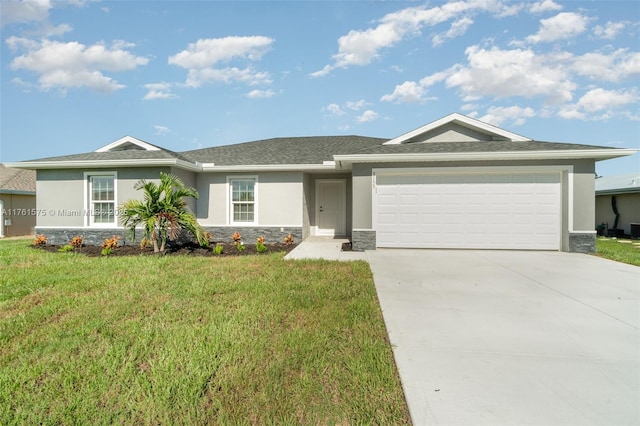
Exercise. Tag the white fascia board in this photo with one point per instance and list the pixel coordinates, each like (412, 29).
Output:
(211, 167)
(128, 139)
(597, 154)
(84, 164)
(462, 120)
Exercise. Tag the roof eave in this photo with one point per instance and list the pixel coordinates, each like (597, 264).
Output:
(100, 164)
(327, 166)
(16, 192)
(597, 154)
(634, 190)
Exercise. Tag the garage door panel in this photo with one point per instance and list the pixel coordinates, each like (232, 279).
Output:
(499, 211)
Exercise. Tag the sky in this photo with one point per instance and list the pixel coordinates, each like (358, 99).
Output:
(77, 75)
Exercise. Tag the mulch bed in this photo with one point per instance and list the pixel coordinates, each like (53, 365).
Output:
(190, 249)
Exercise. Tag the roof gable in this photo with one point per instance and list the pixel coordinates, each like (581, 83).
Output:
(128, 143)
(456, 128)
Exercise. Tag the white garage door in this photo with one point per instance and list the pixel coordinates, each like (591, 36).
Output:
(485, 211)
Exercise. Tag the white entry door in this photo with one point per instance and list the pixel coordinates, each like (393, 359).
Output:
(330, 206)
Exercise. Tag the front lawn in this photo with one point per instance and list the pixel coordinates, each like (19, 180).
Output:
(627, 251)
(191, 340)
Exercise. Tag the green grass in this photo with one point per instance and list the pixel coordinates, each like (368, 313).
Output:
(188, 340)
(625, 251)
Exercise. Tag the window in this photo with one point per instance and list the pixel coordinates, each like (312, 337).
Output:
(243, 200)
(102, 199)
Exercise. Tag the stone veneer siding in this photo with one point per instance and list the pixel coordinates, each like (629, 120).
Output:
(362, 240)
(249, 235)
(582, 242)
(91, 237)
(95, 237)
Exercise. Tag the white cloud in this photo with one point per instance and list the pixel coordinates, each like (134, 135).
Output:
(615, 66)
(515, 115)
(259, 94)
(458, 28)
(207, 52)
(36, 14)
(161, 130)
(600, 104)
(368, 115)
(72, 64)
(361, 47)
(334, 109)
(24, 11)
(357, 105)
(409, 92)
(610, 30)
(506, 73)
(200, 58)
(562, 26)
(159, 91)
(198, 77)
(544, 6)
(601, 99)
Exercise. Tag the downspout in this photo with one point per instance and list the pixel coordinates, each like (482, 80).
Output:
(614, 206)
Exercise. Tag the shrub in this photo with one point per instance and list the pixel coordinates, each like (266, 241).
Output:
(40, 240)
(218, 249)
(288, 240)
(260, 246)
(111, 243)
(76, 242)
(237, 238)
(240, 246)
(66, 248)
(145, 243)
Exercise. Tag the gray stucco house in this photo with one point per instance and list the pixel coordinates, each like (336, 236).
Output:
(454, 183)
(618, 203)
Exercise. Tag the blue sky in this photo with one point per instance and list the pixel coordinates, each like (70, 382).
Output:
(77, 75)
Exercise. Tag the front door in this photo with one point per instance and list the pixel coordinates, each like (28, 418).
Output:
(330, 206)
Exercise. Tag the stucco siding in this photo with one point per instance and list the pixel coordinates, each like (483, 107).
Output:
(61, 193)
(280, 198)
(628, 206)
(19, 216)
(583, 196)
(189, 179)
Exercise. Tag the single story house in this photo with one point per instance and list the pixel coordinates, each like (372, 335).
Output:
(618, 203)
(17, 201)
(456, 182)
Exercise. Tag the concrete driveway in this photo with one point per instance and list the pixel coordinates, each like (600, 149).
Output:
(512, 337)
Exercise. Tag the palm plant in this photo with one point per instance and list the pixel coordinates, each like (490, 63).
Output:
(163, 212)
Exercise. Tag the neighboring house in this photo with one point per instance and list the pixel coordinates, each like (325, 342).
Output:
(618, 203)
(17, 201)
(454, 183)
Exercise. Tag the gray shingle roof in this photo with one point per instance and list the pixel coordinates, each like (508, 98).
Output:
(313, 150)
(299, 150)
(17, 180)
(130, 154)
(480, 146)
(619, 184)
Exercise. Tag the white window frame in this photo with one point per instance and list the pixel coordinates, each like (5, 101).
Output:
(230, 204)
(88, 202)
